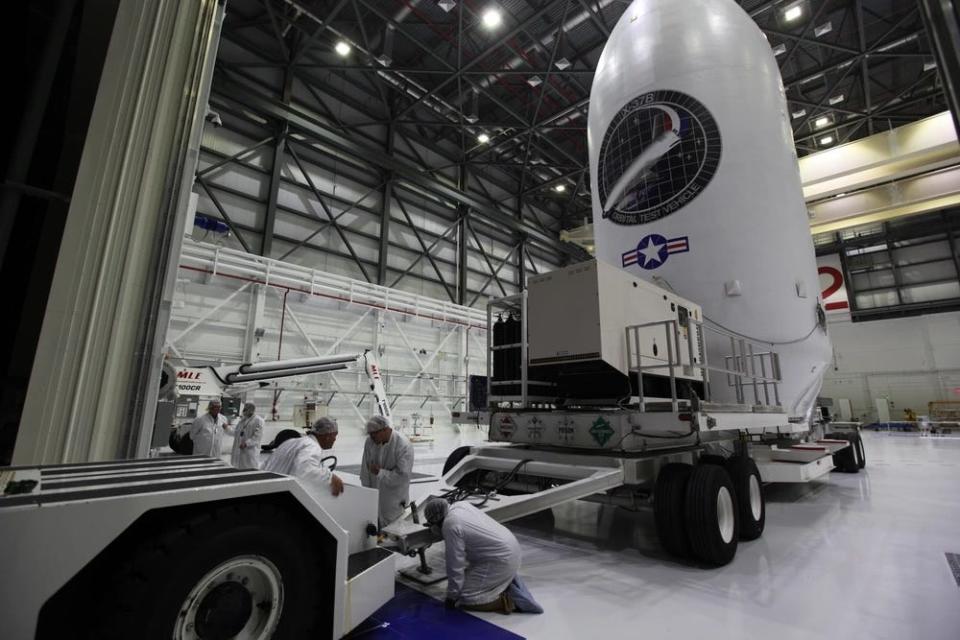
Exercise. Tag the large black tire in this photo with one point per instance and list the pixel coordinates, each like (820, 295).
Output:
(711, 458)
(845, 460)
(668, 508)
(454, 458)
(862, 455)
(712, 530)
(182, 444)
(752, 508)
(146, 591)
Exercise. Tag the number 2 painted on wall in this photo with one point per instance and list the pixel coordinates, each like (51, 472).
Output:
(834, 286)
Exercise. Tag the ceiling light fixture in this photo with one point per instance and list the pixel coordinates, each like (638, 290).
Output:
(562, 64)
(780, 49)
(837, 99)
(560, 188)
(342, 48)
(483, 138)
(821, 122)
(492, 18)
(799, 113)
(447, 5)
(826, 140)
(793, 13)
(823, 29)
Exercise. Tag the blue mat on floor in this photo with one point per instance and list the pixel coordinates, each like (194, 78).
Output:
(412, 615)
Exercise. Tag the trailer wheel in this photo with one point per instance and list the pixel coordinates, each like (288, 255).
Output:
(241, 571)
(752, 509)
(845, 460)
(862, 462)
(454, 458)
(669, 495)
(711, 515)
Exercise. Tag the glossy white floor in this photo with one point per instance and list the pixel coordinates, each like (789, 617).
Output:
(855, 556)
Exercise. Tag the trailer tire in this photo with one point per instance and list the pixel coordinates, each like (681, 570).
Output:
(752, 508)
(845, 460)
(711, 515)
(668, 508)
(171, 579)
(711, 458)
(454, 458)
(862, 462)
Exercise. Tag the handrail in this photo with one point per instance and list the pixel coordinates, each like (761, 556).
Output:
(740, 367)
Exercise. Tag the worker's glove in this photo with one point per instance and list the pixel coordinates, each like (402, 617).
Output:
(450, 603)
(336, 485)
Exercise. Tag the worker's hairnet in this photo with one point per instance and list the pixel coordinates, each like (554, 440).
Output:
(324, 426)
(377, 423)
(435, 510)
(249, 406)
(214, 402)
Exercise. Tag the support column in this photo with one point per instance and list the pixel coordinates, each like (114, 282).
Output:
(283, 129)
(943, 31)
(463, 234)
(251, 339)
(385, 206)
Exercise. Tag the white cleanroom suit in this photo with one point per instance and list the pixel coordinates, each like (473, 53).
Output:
(247, 432)
(482, 556)
(301, 458)
(395, 459)
(207, 434)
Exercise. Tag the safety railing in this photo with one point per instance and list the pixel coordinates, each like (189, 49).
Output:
(740, 366)
(229, 263)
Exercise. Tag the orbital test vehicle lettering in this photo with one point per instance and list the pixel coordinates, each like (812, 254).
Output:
(695, 183)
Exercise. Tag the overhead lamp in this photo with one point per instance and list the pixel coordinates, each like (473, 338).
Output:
(793, 13)
(535, 81)
(483, 138)
(826, 141)
(560, 188)
(780, 49)
(799, 113)
(492, 18)
(823, 29)
(929, 64)
(837, 99)
(821, 122)
(447, 5)
(562, 64)
(342, 48)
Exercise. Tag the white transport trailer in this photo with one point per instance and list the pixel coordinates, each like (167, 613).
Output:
(601, 390)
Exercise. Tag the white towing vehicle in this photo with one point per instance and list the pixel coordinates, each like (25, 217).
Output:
(189, 547)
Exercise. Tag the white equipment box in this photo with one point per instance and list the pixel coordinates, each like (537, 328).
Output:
(580, 314)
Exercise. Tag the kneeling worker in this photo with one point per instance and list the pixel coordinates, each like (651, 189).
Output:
(387, 465)
(482, 558)
(301, 457)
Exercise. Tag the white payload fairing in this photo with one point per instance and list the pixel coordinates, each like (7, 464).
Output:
(695, 181)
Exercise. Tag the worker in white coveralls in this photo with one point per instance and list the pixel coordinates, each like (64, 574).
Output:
(206, 432)
(302, 458)
(246, 439)
(387, 465)
(482, 558)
